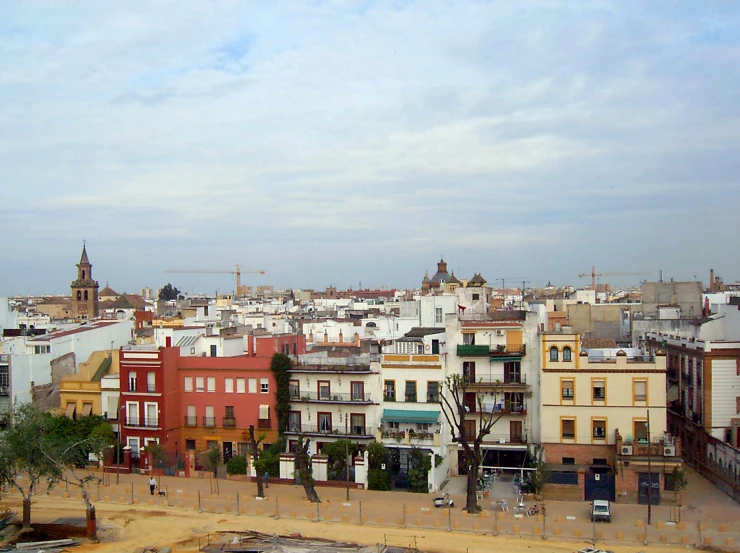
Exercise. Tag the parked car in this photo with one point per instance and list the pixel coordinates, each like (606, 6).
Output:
(601, 510)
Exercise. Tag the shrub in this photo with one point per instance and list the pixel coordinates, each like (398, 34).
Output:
(237, 465)
(377, 479)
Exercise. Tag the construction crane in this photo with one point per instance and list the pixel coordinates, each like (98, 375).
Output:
(239, 269)
(593, 274)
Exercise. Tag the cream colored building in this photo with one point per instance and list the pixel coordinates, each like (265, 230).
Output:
(585, 401)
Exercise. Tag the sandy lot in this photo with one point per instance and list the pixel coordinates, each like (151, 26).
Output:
(125, 528)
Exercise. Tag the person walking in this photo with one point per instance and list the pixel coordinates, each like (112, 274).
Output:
(267, 479)
(152, 484)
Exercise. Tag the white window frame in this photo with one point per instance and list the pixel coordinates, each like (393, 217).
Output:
(228, 385)
(241, 386)
(252, 385)
(211, 384)
(264, 385)
(200, 384)
(188, 383)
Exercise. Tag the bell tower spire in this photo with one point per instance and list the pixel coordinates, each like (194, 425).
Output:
(84, 289)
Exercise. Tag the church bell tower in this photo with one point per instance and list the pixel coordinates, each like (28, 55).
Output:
(84, 290)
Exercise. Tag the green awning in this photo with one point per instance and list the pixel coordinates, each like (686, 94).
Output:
(401, 415)
(496, 358)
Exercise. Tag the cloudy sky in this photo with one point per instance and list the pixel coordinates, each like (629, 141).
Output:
(342, 142)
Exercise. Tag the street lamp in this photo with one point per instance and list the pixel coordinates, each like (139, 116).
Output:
(118, 445)
(346, 450)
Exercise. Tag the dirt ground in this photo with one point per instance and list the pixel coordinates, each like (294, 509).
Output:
(154, 521)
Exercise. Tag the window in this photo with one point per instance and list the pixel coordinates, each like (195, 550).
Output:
(469, 338)
(188, 383)
(243, 448)
(210, 444)
(513, 372)
(476, 297)
(566, 389)
(324, 422)
(211, 381)
(568, 429)
(210, 418)
(569, 460)
(150, 382)
(432, 392)
(566, 354)
(200, 384)
(191, 419)
(514, 402)
(394, 425)
(358, 391)
(640, 431)
(132, 413)
(252, 385)
(469, 371)
(599, 390)
(422, 426)
(599, 461)
(240, 389)
(389, 390)
(294, 389)
(553, 353)
(640, 390)
(229, 411)
(411, 391)
(190, 444)
(228, 385)
(294, 421)
(599, 429)
(324, 390)
(357, 424)
(438, 315)
(132, 382)
(214, 350)
(264, 386)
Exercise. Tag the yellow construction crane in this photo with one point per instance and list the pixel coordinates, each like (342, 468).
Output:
(593, 274)
(239, 269)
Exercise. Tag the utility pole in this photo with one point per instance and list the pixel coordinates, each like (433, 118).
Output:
(346, 450)
(650, 473)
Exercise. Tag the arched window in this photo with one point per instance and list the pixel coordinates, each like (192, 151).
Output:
(79, 295)
(566, 353)
(83, 275)
(85, 295)
(553, 353)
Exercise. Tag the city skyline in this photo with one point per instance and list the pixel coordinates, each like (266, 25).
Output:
(347, 143)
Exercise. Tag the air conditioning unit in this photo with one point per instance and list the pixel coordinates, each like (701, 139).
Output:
(626, 450)
(669, 450)
(500, 333)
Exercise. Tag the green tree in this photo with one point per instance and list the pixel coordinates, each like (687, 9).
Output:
(22, 460)
(678, 483)
(451, 398)
(213, 460)
(159, 455)
(168, 292)
(337, 453)
(237, 465)
(281, 365)
(377, 454)
(69, 453)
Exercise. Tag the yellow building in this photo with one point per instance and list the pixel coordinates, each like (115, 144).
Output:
(80, 393)
(595, 411)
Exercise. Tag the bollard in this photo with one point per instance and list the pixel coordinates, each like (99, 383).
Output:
(707, 540)
(404, 515)
(723, 528)
(360, 503)
(728, 541)
(238, 510)
(685, 540)
(620, 536)
(663, 537)
(277, 508)
(200, 510)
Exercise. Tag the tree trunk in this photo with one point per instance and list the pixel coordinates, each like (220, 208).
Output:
(92, 524)
(305, 473)
(27, 512)
(255, 457)
(471, 501)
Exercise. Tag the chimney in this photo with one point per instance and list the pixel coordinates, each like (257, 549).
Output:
(711, 280)
(341, 337)
(326, 336)
(707, 312)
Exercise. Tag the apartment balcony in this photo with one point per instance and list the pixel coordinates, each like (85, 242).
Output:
(467, 350)
(335, 431)
(209, 422)
(513, 409)
(137, 422)
(229, 422)
(314, 397)
(264, 424)
(501, 439)
(393, 436)
(511, 381)
(191, 421)
(4, 390)
(686, 378)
